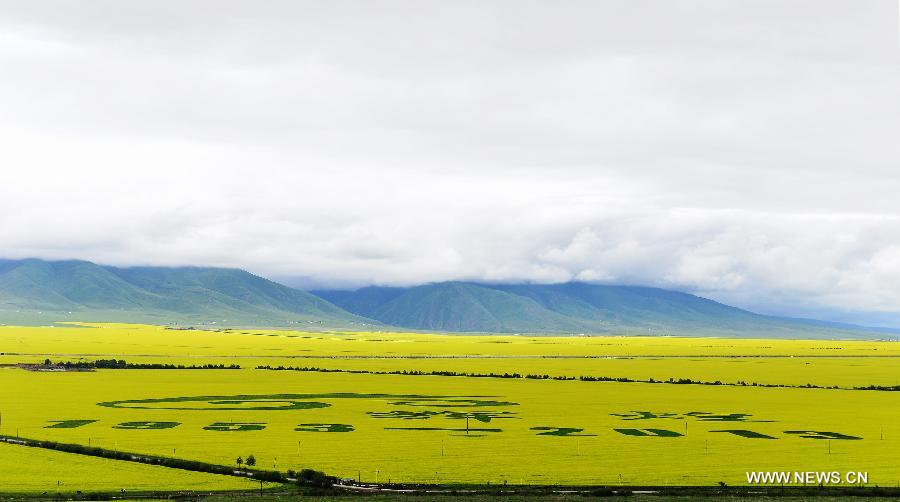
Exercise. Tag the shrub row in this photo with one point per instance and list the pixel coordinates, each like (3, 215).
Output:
(121, 364)
(888, 388)
(583, 378)
(305, 477)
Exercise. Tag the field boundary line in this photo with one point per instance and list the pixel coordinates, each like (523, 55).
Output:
(154, 460)
(581, 378)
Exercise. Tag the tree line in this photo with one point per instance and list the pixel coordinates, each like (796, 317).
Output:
(583, 378)
(305, 477)
(121, 364)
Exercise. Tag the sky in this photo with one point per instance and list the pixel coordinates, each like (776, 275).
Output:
(744, 150)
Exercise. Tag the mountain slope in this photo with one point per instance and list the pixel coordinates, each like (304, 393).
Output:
(455, 306)
(570, 308)
(46, 291)
(635, 306)
(190, 294)
(215, 289)
(66, 285)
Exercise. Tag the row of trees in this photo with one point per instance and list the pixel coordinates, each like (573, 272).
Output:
(583, 378)
(251, 461)
(121, 364)
(305, 477)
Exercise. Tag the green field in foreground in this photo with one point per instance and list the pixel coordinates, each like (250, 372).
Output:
(34, 470)
(448, 429)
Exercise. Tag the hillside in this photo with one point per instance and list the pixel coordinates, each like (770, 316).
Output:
(571, 308)
(39, 291)
(454, 306)
(86, 291)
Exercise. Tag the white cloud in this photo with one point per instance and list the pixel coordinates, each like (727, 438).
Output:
(742, 149)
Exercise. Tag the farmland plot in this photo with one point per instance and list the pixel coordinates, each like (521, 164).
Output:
(433, 428)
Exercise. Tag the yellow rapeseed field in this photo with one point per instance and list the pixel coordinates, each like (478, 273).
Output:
(428, 428)
(34, 470)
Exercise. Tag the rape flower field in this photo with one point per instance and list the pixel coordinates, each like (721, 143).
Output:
(531, 410)
(32, 470)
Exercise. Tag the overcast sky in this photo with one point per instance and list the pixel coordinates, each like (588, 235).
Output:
(744, 150)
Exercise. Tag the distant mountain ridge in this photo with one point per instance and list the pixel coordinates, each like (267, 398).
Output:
(147, 294)
(572, 307)
(46, 291)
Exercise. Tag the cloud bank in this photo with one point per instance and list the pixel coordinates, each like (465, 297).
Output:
(745, 150)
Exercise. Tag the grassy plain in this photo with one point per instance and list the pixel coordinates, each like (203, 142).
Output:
(413, 428)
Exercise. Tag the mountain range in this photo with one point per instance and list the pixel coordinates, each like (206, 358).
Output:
(86, 291)
(573, 307)
(36, 290)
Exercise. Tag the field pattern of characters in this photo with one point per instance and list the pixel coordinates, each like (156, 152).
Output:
(432, 428)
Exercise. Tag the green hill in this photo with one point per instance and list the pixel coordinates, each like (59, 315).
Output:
(573, 308)
(458, 306)
(38, 291)
(85, 291)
